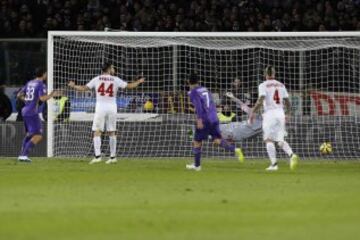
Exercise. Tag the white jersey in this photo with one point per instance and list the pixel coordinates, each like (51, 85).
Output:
(106, 87)
(274, 93)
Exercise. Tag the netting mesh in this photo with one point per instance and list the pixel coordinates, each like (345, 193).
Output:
(321, 74)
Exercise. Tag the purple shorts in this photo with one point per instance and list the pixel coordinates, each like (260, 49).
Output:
(33, 124)
(212, 129)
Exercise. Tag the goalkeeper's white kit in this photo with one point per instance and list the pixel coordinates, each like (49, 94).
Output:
(239, 131)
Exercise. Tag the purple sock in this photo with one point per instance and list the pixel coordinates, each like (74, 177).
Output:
(28, 146)
(197, 157)
(227, 146)
(25, 141)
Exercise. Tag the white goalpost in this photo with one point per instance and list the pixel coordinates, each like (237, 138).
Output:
(321, 71)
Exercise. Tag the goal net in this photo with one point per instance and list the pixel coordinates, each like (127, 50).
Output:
(320, 71)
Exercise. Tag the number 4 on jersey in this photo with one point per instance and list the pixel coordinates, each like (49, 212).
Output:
(276, 97)
(109, 91)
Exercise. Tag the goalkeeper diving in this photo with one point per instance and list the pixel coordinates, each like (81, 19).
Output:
(239, 131)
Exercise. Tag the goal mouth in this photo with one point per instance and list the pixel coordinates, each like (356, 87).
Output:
(320, 70)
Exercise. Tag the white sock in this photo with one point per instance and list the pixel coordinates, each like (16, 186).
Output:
(97, 146)
(112, 143)
(271, 150)
(286, 147)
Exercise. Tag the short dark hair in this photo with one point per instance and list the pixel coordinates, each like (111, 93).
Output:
(269, 70)
(105, 67)
(39, 72)
(193, 78)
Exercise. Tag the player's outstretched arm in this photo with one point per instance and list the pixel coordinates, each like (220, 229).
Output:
(78, 87)
(242, 105)
(256, 108)
(287, 106)
(21, 96)
(44, 98)
(258, 104)
(135, 84)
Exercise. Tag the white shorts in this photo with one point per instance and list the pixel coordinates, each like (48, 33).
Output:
(104, 121)
(274, 126)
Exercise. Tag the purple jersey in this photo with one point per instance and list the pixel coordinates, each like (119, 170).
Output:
(33, 90)
(203, 102)
(33, 124)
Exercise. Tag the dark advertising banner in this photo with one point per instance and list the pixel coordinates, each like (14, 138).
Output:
(126, 102)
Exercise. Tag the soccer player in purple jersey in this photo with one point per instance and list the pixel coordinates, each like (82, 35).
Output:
(207, 123)
(33, 92)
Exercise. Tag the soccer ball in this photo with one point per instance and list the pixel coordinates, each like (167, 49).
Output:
(326, 148)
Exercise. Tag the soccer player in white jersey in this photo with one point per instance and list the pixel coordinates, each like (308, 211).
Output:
(106, 86)
(273, 96)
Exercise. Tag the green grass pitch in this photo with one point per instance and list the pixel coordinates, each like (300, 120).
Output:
(159, 199)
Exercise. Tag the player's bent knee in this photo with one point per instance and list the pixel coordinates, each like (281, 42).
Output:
(197, 144)
(36, 138)
(217, 141)
(97, 133)
(281, 144)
